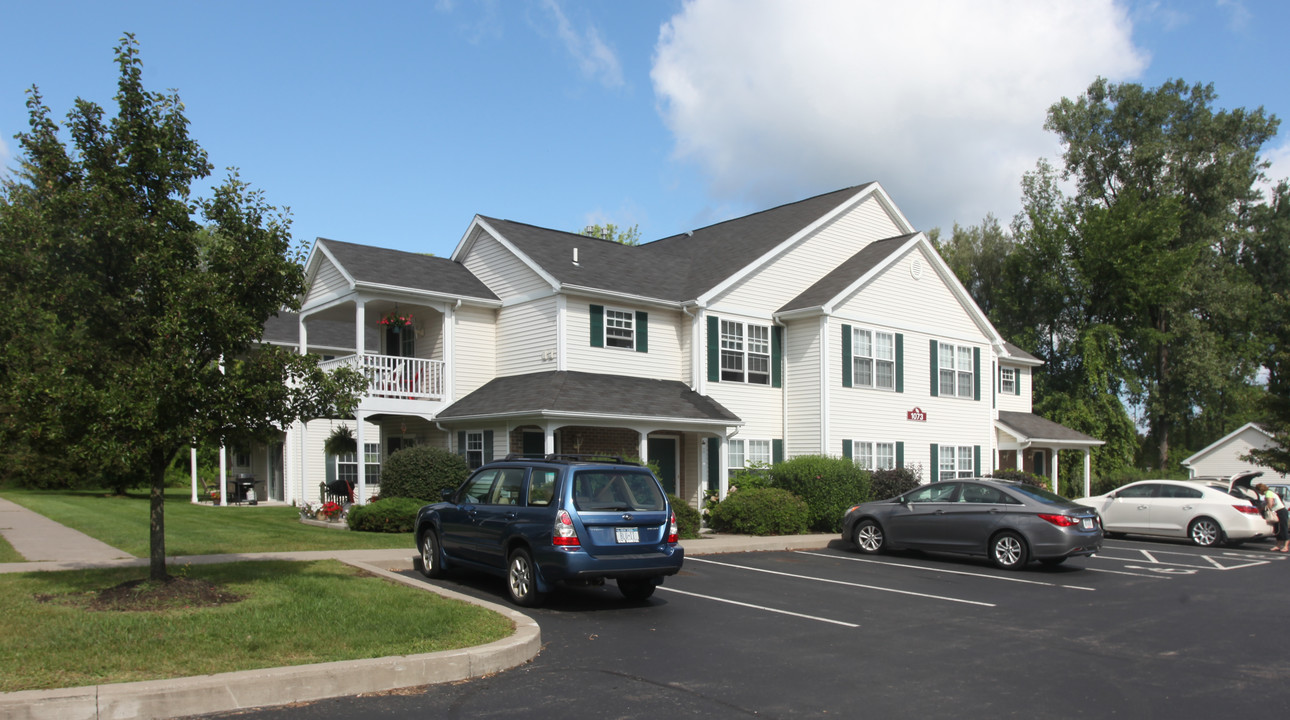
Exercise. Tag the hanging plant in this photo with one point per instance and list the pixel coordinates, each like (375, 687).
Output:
(341, 441)
(395, 319)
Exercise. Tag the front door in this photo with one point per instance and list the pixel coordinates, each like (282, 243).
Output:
(274, 483)
(662, 452)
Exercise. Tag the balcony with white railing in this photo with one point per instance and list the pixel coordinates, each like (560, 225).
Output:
(400, 378)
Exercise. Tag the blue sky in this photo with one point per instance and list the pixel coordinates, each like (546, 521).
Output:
(394, 123)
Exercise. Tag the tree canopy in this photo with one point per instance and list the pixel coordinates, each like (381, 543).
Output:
(130, 329)
(614, 233)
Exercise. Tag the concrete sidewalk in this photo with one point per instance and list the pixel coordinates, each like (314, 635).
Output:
(61, 548)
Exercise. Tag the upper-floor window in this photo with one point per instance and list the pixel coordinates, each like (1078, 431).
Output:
(620, 328)
(745, 352)
(874, 455)
(873, 357)
(955, 365)
(1007, 381)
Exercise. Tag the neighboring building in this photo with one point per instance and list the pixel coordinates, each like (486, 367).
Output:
(1223, 457)
(826, 326)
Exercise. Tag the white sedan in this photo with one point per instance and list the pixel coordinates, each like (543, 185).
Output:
(1205, 513)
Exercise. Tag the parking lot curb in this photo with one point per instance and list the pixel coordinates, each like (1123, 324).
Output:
(264, 687)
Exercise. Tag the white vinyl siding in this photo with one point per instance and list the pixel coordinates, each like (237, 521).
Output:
(328, 281)
(501, 271)
(527, 337)
(475, 347)
(663, 361)
(802, 345)
(1020, 401)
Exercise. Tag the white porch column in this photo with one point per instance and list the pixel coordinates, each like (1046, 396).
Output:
(360, 435)
(304, 336)
(192, 465)
(360, 335)
(302, 469)
(643, 450)
(223, 475)
(1088, 471)
(548, 439)
(1053, 469)
(723, 467)
(450, 352)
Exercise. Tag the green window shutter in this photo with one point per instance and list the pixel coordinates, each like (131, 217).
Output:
(642, 331)
(935, 372)
(776, 451)
(900, 454)
(846, 449)
(776, 357)
(936, 462)
(714, 463)
(846, 356)
(461, 443)
(900, 362)
(598, 326)
(976, 373)
(488, 446)
(714, 349)
(976, 460)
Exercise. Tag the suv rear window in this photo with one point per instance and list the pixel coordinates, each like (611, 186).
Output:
(616, 490)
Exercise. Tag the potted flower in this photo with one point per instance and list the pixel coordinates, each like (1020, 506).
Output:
(396, 320)
(330, 511)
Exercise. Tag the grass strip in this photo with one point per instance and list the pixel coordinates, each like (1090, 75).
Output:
(194, 529)
(8, 554)
(291, 614)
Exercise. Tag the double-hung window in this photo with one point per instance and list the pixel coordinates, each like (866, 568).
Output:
(745, 352)
(955, 365)
(956, 462)
(745, 454)
(874, 455)
(347, 465)
(873, 359)
(474, 449)
(1007, 381)
(620, 329)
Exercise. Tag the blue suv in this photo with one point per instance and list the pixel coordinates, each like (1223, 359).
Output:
(537, 522)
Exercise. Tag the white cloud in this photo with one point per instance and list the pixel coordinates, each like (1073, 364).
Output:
(943, 103)
(595, 58)
(5, 157)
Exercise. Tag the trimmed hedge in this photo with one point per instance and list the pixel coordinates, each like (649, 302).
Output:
(887, 484)
(761, 511)
(688, 519)
(829, 485)
(392, 515)
(423, 473)
(1020, 476)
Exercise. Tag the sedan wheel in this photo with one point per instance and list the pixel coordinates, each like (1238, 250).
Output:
(1205, 532)
(521, 579)
(431, 560)
(869, 538)
(1008, 551)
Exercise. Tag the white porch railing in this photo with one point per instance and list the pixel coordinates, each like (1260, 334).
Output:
(390, 376)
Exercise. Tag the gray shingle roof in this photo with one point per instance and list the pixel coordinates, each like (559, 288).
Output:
(407, 270)
(616, 396)
(1017, 353)
(677, 268)
(1031, 426)
(284, 329)
(831, 285)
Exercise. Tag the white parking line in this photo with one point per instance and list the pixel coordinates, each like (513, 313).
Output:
(946, 571)
(1118, 572)
(841, 582)
(1192, 561)
(758, 607)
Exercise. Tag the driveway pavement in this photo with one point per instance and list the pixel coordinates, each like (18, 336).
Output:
(52, 547)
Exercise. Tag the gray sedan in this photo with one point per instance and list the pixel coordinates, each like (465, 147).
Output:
(1008, 522)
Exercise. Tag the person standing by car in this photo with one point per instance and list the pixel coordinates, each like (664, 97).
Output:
(1273, 502)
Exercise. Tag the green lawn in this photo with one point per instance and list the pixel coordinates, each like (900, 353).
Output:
(204, 529)
(8, 554)
(292, 614)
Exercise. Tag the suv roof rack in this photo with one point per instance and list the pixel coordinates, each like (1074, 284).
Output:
(571, 458)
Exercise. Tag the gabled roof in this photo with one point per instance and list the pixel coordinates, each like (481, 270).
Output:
(568, 393)
(836, 283)
(1226, 439)
(1019, 356)
(1029, 427)
(679, 268)
(367, 265)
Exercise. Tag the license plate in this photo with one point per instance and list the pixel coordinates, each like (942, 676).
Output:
(627, 535)
(1087, 523)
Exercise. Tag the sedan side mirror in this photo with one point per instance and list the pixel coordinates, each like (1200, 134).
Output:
(446, 494)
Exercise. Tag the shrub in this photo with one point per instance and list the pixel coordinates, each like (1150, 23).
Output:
(1020, 476)
(752, 477)
(761, 511)
(392, 515)
(887, 484)
(688, 519)
(423, 473)
(828, 485)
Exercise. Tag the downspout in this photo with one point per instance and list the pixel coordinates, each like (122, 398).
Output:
(696, 377)
(783, 391)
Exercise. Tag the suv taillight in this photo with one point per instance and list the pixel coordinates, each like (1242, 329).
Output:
(672, 535)
(564, 532)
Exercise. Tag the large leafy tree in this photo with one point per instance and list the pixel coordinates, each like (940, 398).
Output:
(130, 328)
(1267, 259)
(1147, 245)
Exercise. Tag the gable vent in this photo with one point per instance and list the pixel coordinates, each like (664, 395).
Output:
(916, 268)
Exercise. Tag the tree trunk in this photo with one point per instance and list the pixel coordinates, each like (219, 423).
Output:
(1164, 401)
(157, 522)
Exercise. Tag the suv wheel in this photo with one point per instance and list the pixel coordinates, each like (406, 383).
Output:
(636, 590)
(431, 558)
(521, 579)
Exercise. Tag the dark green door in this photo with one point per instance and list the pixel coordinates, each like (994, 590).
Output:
(662, 452)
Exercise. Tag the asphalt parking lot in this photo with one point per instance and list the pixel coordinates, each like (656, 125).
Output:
(1144, 629)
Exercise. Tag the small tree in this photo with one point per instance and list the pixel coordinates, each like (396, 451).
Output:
(422, 473)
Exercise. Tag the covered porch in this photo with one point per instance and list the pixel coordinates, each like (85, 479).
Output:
(1028, 442)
